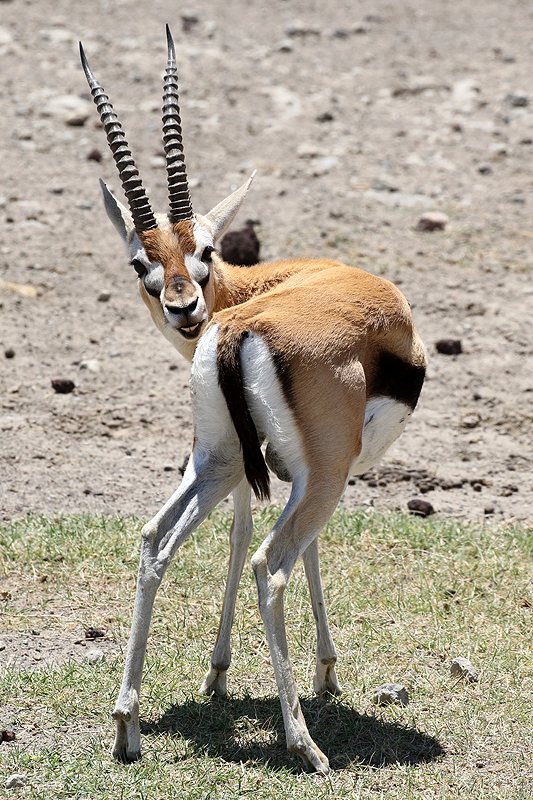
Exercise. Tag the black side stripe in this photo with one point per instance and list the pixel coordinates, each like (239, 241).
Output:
(397, 379)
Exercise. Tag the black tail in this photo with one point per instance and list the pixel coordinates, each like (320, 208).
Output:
(231, 382)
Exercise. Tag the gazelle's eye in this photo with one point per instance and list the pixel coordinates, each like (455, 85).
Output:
(206, 255)
(139, 267)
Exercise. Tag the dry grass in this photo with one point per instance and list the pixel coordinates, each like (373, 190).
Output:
(405, 596)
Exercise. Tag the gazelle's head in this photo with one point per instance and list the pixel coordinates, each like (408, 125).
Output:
(171, 253)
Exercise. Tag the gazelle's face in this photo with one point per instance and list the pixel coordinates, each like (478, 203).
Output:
(175, 268)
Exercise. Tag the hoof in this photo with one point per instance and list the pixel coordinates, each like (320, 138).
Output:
(215, 682)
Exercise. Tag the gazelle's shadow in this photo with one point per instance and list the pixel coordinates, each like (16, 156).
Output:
(249, 729)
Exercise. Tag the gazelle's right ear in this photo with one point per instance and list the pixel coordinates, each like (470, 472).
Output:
(117, 213)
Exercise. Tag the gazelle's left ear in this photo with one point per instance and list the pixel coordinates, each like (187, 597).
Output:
(117, 213)
(221, 216)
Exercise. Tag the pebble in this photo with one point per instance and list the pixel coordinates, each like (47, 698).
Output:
(63, 385)
(420, 507)
(94, 656)
(91, 364)
(462, 668)
(16, 781)
(432, 221)
(94, 155)
(449, 347)
(104, 296)
(517, 99)
(483, 168)
(70, 109)
(9, 352)
(299, 28)
(2, 645)
(391, 693)
(470, 420)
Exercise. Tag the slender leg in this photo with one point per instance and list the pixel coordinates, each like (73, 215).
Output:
(241, 534)
(306, 513)
(324, 679)
(209, 477)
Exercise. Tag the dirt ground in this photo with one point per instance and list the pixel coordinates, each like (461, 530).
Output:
(359, 118)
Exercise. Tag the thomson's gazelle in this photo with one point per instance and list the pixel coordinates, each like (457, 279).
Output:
(316, 359)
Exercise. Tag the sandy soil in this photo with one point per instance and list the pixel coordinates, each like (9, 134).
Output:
(358, 119)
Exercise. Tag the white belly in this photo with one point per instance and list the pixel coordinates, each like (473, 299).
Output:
(385, 419)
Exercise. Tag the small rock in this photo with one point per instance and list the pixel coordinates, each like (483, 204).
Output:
(449, 347)
(94, 633)
(489, 511)
(326, 116)
(7, 735)
(91, 364)
(241, 248)
(71, 109)
(301, 29)
(498, 151)
(420, 507)
(381, 185)
(390, 693)
(104, 296)
(94, 657)
(483, 168)
(188, 20)
(63, 385)
(16, 781)
(169, 468)
(9, 352)
(432, 221)
(284, 46)
(94, 155)
(471, 420)
(517, 99)
(2, 645)
(462, 668)
(321, 166)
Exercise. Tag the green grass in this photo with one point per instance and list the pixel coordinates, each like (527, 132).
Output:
(405, 596)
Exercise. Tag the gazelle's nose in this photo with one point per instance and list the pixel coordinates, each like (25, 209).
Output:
(187, 310)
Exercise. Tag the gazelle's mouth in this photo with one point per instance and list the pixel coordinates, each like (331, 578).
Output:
(192, 332)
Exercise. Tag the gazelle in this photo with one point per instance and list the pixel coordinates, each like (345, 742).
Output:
(319, 360)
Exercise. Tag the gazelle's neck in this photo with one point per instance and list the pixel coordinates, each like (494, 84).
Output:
(235, 285)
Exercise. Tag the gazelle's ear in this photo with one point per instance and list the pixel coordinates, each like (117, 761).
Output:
(221, 216)
(117, 213)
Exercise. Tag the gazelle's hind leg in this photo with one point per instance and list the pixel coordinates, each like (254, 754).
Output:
(240, 536)
(306, 513)
(324, 679)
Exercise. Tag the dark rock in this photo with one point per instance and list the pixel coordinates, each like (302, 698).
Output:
(63, 385)
(94, 633)
(420, 507)
(94, 155)
(241, 248)
(483, 168)
(449, 347)
(9, 352)
(432, 221)
(7, 736)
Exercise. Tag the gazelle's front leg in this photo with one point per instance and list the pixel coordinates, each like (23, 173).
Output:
(207, 480)
(240, 536)
(324, 679)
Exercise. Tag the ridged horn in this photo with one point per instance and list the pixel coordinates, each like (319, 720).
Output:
(178, 187)
(141, 211)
